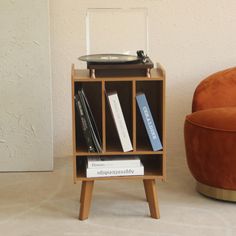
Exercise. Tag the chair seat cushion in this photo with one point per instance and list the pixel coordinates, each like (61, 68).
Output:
(221, 119)
(210, 140)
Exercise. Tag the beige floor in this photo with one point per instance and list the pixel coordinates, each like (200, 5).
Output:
(33, 204)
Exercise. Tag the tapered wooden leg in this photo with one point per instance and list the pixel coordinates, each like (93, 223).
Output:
(86, 196)
(82, 191)
(151, 192)
(145, 189)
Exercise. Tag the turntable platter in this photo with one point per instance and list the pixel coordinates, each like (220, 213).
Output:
(109, 58)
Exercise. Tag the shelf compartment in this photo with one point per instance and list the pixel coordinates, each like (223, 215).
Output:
(152, 169)
(153, 91)
(124, 91)
(93, 92)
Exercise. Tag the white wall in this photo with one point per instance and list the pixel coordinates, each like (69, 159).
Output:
(190, 38)
(25, 86)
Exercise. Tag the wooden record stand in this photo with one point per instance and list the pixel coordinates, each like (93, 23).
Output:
(127, 87)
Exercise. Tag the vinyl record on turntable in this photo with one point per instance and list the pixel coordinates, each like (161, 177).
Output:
(109, 58)
(113, 65)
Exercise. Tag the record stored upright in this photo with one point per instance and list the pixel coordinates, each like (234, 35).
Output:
(127, 88)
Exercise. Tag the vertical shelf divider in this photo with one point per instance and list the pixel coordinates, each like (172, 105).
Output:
(103, 117)
(73, 121)
(164, 123)
(134, 112)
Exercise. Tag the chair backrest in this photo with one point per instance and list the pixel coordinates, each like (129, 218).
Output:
(217, 90)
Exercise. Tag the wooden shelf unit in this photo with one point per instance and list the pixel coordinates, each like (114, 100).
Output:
(127, 88)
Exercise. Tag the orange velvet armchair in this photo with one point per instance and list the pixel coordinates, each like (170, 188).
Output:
(210, 136)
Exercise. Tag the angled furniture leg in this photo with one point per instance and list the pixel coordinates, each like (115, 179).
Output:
(151, 192)
(145, 189)
(82, 191)
(86, 196)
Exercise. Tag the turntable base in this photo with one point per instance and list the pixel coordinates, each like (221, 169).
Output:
(121, 69)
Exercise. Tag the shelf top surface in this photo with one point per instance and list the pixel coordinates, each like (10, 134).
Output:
(83, 75)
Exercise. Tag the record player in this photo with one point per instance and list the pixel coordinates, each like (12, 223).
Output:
(113, 65)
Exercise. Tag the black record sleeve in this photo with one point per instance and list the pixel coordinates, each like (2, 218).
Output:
(91, 121)
(84, 124)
